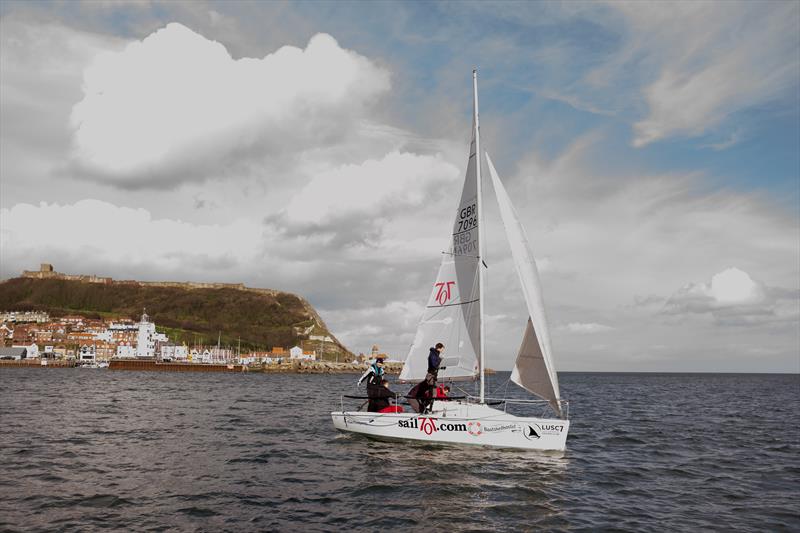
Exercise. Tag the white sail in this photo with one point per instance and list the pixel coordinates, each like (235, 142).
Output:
(452, 315)
(534, 369)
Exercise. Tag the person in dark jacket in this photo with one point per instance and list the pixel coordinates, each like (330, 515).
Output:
(374, 373)
(375, 379)
(380, 397)
(420, 397)
(435, 359)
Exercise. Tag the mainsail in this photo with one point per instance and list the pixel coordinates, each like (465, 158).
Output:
(534, 369)
(452, 315)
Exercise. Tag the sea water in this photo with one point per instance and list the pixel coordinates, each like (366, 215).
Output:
(86, 450)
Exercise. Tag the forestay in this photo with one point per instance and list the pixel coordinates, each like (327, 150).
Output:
(534, 369)
(452, 314)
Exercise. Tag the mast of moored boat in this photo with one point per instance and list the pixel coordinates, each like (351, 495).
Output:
(480, 220)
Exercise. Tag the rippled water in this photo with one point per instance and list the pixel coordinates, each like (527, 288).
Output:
(97, 449)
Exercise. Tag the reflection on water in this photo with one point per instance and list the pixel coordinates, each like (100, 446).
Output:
(136, 451)
(462, 485)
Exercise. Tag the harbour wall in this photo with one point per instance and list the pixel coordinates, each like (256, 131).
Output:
(36, 363)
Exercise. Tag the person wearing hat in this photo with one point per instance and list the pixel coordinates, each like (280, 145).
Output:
(374, 373)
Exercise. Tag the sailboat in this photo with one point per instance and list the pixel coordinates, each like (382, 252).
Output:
(454, 316)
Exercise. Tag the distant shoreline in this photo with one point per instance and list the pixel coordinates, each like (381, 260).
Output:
(291, 367)
(152, 365)
(326, 367)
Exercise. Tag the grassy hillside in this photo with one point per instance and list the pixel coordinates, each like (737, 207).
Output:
(187, 315)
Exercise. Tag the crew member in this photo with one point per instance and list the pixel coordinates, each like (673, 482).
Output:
(435, 359)
(380, 398)
(374, 373)
(420, 397)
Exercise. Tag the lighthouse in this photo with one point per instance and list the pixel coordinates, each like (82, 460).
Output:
(146, 342)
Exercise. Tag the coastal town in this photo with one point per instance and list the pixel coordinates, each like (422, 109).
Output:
(35, 336)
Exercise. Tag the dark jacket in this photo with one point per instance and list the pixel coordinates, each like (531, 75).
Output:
(374, 386)
(434, 360)
(422, 390)
(379, 399)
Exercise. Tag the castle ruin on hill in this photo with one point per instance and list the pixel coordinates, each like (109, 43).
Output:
(46, 271)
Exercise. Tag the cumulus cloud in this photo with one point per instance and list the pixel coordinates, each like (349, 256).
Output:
(372, 188)
(40, 79)
(732, 297)
(374, 205)
(177, 106)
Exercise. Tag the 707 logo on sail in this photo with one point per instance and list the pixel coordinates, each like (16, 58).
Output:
(443, 295)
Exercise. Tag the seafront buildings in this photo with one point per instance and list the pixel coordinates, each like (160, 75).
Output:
(25, 335)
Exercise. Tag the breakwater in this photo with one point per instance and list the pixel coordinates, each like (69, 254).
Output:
(291, 367)
(37, 363)
(151, 365)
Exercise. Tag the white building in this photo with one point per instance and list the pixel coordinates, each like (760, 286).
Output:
(182, 352)
(87, 354)
(32, 349)
(25, 316)
(296, 353)
(105, 336)
(122, 326)
(196, 356)
(126, 350)
(171, 352)
(147, 338)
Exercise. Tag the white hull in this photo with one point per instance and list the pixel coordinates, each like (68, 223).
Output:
(457, 422)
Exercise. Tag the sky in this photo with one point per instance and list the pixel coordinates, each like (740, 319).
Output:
(651, 151)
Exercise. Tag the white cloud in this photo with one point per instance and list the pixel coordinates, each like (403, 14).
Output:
(176, 106)
(391, 326)
(732, 286)
(734, 298)
(732, 139)
(624, 244)
(712, 60)
(372, 189)
(585, 327)
(40, 79)
(92, 233)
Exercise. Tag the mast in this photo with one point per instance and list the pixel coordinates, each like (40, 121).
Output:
(480, 222)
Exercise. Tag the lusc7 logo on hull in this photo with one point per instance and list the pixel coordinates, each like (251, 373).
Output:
(536, 431)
